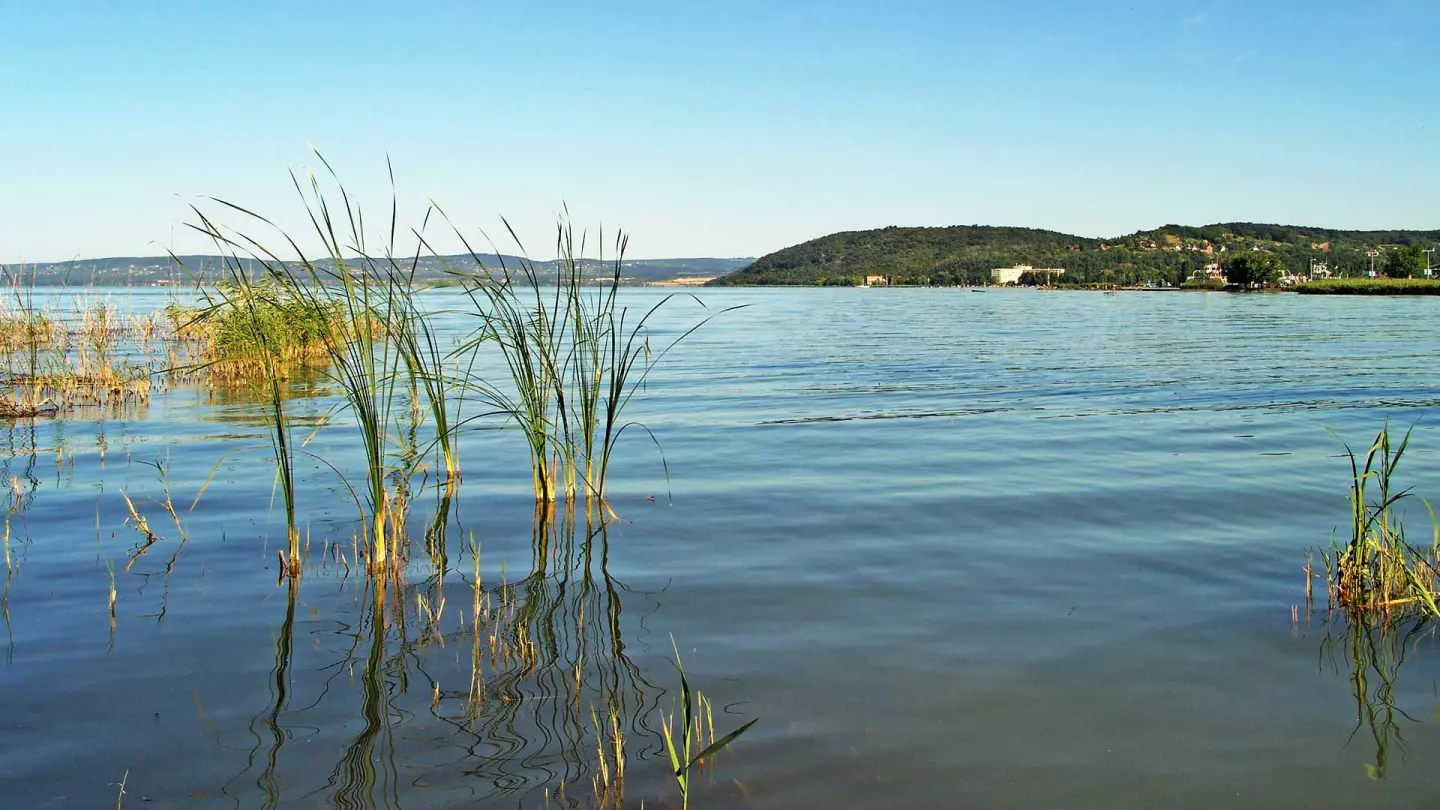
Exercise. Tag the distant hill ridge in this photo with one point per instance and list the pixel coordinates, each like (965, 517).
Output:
(144, 270)
(965, 254)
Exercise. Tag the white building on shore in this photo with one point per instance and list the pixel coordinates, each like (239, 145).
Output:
(1011, 275)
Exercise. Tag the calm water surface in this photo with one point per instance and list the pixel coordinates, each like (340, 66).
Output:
(955, 549)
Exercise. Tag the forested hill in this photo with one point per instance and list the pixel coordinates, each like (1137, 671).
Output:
(965, 254)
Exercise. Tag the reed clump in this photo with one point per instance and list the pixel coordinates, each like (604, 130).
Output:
(575, 353)
(1207, 283)
(1370, 286)
(54, 360)
(1379, 570)
(23, 329)
(250, 329)
(576, 356)
(355, 301)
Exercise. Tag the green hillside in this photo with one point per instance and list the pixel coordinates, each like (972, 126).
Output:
(965, 254)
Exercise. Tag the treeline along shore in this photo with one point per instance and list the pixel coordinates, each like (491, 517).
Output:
(1171, 255)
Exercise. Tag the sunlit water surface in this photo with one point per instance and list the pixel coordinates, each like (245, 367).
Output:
(954, 549)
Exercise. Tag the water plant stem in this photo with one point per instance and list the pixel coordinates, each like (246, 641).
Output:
(681, 760)
(1378, 570)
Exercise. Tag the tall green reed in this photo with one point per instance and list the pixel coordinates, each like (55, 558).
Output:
(376, 341)
(259, 325)
(575, 353)
(1378, 569)
(682, 737)
(424, 363)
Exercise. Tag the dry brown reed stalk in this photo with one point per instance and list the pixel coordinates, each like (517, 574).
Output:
(53, 360)
(23, 329)
(500, 642)
(480, 598)
(110, 567)
(142, 526)
(609, 780)
(429, 611)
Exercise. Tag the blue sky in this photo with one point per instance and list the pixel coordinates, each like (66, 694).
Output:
(717, 129)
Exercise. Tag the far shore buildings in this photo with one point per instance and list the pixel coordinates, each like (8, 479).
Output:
(1011, 275)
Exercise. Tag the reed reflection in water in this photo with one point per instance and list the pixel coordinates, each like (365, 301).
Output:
(505, 689)
(1373, 649)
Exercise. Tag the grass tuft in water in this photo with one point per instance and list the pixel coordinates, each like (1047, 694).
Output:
(54, 360)
(690, 732)
(361, 303)
(1379, 570)
(576, 356)
(1370, 286)
(608, 784)
(252, 329)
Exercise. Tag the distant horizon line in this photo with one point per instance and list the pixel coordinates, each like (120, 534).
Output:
(168, 257)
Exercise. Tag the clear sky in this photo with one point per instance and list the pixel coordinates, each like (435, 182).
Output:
(718, 128)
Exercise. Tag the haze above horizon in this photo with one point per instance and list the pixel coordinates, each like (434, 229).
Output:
(733, 129)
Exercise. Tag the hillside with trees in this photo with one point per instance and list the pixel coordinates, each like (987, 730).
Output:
(965, 254)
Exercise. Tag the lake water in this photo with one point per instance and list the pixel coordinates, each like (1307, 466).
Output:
(988, 549)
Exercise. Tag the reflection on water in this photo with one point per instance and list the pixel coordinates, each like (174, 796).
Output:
(301, 382)
(554, 653)
(385, 687)
(1374, 649)
(17, 476)
(497, 690)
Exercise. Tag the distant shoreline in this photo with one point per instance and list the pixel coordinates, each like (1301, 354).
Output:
(1345, 286)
